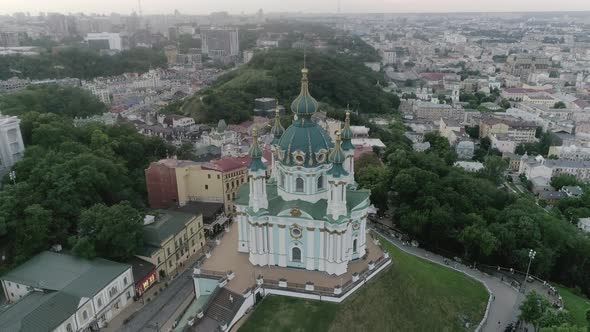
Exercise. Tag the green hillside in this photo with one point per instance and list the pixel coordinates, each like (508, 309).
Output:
(411, 295)
(335, 80)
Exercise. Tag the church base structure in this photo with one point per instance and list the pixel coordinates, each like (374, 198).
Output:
(229, 272)
(335, 268)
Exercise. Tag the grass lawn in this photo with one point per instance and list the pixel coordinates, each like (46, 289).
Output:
(575, 304)
(411, 295)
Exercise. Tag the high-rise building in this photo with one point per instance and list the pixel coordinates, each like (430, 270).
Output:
(104, 41)
(220, 42)
(11, 143)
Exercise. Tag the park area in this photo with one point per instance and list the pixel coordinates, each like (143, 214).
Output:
(577, 305)
(411, 295)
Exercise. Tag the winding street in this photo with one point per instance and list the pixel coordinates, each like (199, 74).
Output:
(506, 300)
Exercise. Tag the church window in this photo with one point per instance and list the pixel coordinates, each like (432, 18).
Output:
(299, 157)
(69, 328)
(85, 315)
(299, 185)
(282, 183)
(321, 182)
(296, 254)
(354, 246)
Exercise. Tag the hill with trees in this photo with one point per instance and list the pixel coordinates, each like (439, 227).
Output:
(51, 98)
(80, 63)
(334, 80)
(465, 214)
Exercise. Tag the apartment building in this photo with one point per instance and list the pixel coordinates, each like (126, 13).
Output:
(170, 239)
(518, 130)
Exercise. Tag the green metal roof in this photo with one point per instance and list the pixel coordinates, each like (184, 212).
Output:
(38, 312)
(66, 279)
(277, 129)
(308, 138)
(354, 200)
(255, 153)
(59, 271)
(304, 104)
(167, 224)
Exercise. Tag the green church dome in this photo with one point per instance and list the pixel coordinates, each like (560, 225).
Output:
(304, 104)
(337, 158)
(304, 144)
(255, 153)
(347, 134)
(277, 129)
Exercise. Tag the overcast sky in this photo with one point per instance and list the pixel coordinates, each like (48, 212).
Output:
(250, 6)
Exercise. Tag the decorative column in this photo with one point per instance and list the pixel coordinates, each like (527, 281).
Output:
(282, 246)
(271, 253)
(310, 262)
(322, 258)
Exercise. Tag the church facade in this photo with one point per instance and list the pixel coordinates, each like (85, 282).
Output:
(309, 214)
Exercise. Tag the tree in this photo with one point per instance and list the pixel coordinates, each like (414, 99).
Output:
(532, 308)
(559, 104)
(113, 232)
(494, 168)
(366, 160)
(51, 98)
(477, 239)
(32, 232)
(563, 180)
(473, 132)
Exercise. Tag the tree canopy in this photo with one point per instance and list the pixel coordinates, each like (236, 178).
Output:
(66, 172)
(338, 81)
(51, 98)
(80, 63)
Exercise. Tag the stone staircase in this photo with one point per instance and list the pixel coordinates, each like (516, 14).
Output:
(224, 306)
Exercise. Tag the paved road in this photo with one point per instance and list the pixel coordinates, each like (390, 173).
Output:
(504, 307)
(155, 313)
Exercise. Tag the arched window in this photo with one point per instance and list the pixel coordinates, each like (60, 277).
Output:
(354, 246)
(69, 327)
(299, 185)
(321, 182)
(85, 315)
(282, 183)
(296, 255)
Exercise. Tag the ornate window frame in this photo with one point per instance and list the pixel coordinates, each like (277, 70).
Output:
(298, 157)
(321, 156)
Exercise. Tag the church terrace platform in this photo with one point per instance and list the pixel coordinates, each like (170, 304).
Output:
(225, 257)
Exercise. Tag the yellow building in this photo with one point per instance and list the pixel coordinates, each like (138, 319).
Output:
(520, 131)
(215, 181)
(170, 239)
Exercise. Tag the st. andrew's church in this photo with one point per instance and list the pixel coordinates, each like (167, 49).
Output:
(309, 214)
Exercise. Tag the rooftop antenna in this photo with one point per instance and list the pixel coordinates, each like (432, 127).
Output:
(139, 8)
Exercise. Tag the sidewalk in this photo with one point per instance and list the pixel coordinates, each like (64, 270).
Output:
(144, 314)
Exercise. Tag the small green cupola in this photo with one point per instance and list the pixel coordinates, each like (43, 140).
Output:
(277, 129)
(337, 158)
(255, 153)
(347, 134)
(304, 105)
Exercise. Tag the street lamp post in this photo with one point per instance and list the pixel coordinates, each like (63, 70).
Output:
(532, 254)
(12, 176)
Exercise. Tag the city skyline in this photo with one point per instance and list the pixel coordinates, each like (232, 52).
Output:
(305, 6)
